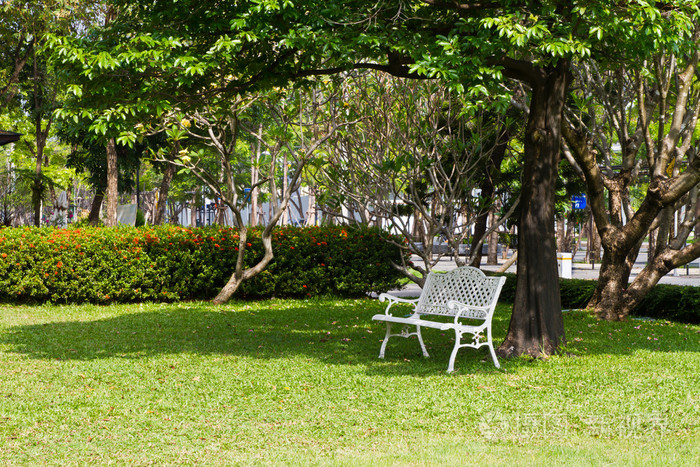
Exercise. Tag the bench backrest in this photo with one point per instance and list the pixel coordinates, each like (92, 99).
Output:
(465, 284)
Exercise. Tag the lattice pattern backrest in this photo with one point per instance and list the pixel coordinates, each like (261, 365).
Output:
(466, 284)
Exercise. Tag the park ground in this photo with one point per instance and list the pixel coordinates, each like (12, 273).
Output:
(293, 382)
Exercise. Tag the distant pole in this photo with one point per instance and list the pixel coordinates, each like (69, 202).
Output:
(138, 187)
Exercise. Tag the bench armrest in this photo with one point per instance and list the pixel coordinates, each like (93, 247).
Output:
(393, 300)
(469, 311)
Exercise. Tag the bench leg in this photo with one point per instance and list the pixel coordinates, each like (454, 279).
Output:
(405, 333)
(493, 355)
(386, 339)
(493, 352)
(422, 345)
(451, 364)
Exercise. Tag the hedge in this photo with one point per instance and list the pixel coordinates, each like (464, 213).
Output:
(671, 302)
(126, 264)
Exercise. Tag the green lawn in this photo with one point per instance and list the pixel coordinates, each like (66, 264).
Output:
(299, 382)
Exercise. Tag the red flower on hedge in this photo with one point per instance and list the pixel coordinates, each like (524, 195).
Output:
(4, 255)
(59, 265)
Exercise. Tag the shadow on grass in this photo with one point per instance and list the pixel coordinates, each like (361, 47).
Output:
(335, 332)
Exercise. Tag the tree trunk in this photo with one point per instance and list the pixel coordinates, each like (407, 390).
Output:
(568, 243)
(254, 177)
(651, 250)
(37, 190)
(593, 243)
(537, 325)
(479, 231)
(94, 216)
(193, 211)
(492, 255)
(240, 275)
(488, 189)
(561, 233)
(112, 191)
(159, 210)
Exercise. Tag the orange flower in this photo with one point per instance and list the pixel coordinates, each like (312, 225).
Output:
(4, 255)
(59, 265)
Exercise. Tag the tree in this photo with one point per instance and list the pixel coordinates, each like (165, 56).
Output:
(28, 81)
(410, 164)
(218, 126)
(202, 48)
(652, 114)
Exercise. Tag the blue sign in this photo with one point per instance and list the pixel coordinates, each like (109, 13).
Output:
(579, 201)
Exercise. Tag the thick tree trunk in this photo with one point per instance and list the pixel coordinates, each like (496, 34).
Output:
(159, 210)
(112, 191)
(537, 326)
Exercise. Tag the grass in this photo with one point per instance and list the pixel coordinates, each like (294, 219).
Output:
(299, 382)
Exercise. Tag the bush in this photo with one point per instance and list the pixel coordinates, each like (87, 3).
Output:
(126, 264)
(672, 302)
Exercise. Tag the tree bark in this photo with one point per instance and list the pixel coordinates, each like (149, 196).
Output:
(112, 191)
(492, 254)
(488, 188)
(561, 233)
(159, 211)
(94, 216)
(537, 325)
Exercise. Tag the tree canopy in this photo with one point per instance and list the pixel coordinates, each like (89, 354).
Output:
(158, 56)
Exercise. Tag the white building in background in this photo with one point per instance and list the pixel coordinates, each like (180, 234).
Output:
(302, 210)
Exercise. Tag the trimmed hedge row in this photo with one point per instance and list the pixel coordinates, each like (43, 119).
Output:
(126, 264)
(671, 302)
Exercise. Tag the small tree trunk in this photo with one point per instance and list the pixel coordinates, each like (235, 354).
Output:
(479, 231)
(112, 191)
(254, 177)
(569, 235)
(492, 257)
(94, 216)
(561, 233)
(159, 210)
(595, 243)
(651, 251)
(193, 211)
(37, 190)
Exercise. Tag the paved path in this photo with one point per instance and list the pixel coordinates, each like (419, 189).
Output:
(580, 270)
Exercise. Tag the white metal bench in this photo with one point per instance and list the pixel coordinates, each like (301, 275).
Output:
(466, 295)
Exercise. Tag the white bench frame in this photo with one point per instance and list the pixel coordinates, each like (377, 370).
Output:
(463, 293)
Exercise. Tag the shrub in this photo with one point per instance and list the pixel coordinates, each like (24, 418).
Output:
(126, 264)
(672, 302)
